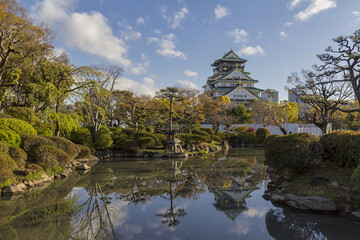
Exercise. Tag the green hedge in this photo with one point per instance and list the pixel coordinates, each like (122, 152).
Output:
(81, 136)
(102, 141)
(23, 113)
(10, 138)
(294, 152)
(7, 165)
(43, 129)
(247, 138)
(84, 151)
(66, 145)
(342, 148)
(118, 137)
(271, 137)
(49, 157)
(130, 146)
(19, 156)
(145, 142)
(16, 125)
(4, 115)
(262, 134)
(3, 147)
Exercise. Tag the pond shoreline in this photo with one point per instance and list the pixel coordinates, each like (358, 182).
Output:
(276, 193)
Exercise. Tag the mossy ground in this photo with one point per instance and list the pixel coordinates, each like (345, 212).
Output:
(299, 185)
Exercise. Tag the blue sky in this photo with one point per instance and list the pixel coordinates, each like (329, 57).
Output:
(164, 43)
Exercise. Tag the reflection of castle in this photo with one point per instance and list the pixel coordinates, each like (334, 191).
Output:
(231, 200)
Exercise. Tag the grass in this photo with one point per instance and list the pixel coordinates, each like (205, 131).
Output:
(300, 186)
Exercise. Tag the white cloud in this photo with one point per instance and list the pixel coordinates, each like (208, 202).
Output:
(128, 33)
(252, 51)
(255, 212)
(357, 15)
(239, 35)
(288, 24)
(146, 87)
(221, 12)
(190, 73)
(140, 21)
(174, 21)
(314, 8)
(140, 68)
(283, 34)
(166, 46)
(260, 35)
(187, 84)
(89, 32)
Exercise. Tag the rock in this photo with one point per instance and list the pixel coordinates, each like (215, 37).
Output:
(276, 198)
(157, 155)
(225, 145)
(21, 186)
(83, 167)
(315, 181)
(47, 179)
(66, 173)
(38, 182)
(28, 183)
(311, 203)
(179, 155)
(334, 184)
(266, 196)
(355, 215)
(12, 189)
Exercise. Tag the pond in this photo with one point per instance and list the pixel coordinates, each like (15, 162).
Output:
(218, 197)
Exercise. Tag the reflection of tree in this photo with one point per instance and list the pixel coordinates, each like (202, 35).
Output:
(288, 224)
(169, 216)
(96, 221)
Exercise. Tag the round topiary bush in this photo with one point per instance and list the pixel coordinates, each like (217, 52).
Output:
(247, 138)
(294, 152)
(16, 125)
(341, 148)
(84, 151)
(118, 137)
(29, 141)
(233, 139)
(23, 113)
(81, 136)
(271, 137)
(262, 134)
(130, 146)
(66, 145)
(161, 138)
(102, 141)
(49, 157)
(355, 177)
(206, 136)
(3, 147)
(7, 166)
(43, 129)
(130, 132)
(145, 142)
(4, 115)
(19, 156)
(10, 138)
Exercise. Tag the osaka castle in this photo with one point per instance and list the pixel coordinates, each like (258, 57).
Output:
(230, 79)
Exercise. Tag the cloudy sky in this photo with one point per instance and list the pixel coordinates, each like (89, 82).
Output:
(173, 42)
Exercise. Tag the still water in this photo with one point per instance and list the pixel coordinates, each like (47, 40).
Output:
(217, 197)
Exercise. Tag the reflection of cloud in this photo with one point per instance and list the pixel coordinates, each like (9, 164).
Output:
(254, 212)
(132, 229)
(241, 228)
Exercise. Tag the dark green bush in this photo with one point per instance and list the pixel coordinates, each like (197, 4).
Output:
(206, 136)
(216, 138)
(7, 165)
(142, 134)
(145, 142)
(81, 136)
(118, 137)
(84, 151)
(130, 132)
(355, 177)
(10, 138)
(342, 148)
(149, 129)
(29, 141)
(3, 147)
(16, 125)
(49, 157)
(271, 137)
(233, 139)
(33, 168)
(262, 134)
(102, 141)
(188, 138)
(239, 129)
(207, 129)
(19, 156)
(222, 135)
(43, 129)
(247, 138)
(4, 115)
(66, 145)
(130, 146)
(294, 152)
(23, 113)
(161, 138)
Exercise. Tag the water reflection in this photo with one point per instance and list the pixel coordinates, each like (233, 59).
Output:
(209, 198)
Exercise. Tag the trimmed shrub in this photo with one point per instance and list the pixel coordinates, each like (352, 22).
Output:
(216, 138)
(233, 139)
(192, 138)
(342, 148)
(43, 129)
(130, 132)
(4, 115)
(130, 146)
(47, 156)
(247, 138)
(23, 113)
(202, 133)
(118, 137)
(145, 142)
(262, 134)
(16, 125)
(3, 147)
(81, 136)
(271, 137)
(33, 168)
(66, 145)
(207, 129)
(149, 129)
(355, 177)
(222, 135)
(29, 141)
(84, 151)
(161, 138)
(294, 152)
(239, 129)
(10, 138)
(19, 156)
(102, 141)
(251, 130)
(7, 165)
